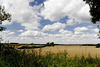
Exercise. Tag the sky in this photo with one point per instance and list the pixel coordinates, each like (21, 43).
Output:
(42, 21)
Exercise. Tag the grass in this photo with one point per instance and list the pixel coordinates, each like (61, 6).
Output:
(3, 63)
(9, 57)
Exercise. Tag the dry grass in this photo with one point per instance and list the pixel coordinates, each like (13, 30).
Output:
(72, 50)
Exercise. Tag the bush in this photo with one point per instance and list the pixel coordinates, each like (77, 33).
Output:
(98, 45)
(50, 44)
(3, 63)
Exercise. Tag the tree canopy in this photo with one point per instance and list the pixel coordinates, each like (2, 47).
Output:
(94, 9)
(4, 16)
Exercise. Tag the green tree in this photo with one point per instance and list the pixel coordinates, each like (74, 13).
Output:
(52, 44)
(4, 16)
(94, 9)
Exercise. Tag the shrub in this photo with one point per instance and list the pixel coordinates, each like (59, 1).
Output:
(98, 45)
(50, 44)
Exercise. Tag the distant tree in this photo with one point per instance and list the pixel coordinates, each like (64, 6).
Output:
(94, 9)
(48, 44)
(98, 45)
(4, 16)
(52, 43)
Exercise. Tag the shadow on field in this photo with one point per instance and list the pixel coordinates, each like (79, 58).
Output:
(31, 47)
(28, 47)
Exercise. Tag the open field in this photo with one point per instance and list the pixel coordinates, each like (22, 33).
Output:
(65, 56)
(71, 50)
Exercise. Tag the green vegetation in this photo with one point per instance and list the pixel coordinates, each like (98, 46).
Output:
(10, 57)
(98, 45)
(94, 9)
(31, 47)
(3, 15)
(50, 44)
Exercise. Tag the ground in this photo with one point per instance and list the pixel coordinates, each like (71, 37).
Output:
(71, 50)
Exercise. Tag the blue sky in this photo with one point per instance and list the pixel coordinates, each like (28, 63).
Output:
(42, 21)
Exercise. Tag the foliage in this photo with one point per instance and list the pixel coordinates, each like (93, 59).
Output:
(3, 63)
(94, 9)
(50, 44)
(98, 45)
(4, 15)
(13, 58)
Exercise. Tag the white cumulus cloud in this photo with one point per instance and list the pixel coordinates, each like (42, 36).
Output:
(32, 34)
(54, 27)
(54, 10)
(22, 13)
(81, 29)
(62, 31)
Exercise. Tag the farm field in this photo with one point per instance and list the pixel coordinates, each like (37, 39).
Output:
(71, 50)
(49, 56)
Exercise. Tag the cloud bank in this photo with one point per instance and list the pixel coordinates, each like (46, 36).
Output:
(30, 17)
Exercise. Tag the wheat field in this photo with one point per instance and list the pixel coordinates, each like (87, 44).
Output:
(71, 50)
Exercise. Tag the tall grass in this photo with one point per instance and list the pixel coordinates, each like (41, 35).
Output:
(13, 58)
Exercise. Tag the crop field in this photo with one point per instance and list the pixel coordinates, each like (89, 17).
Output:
(71, 50)
(49, 56)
